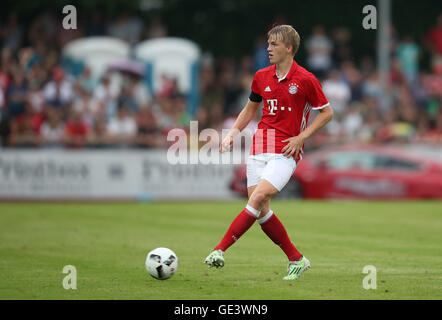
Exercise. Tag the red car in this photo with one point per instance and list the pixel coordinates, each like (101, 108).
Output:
(358, 171)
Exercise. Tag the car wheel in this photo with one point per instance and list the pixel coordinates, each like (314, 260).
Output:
(291, 190)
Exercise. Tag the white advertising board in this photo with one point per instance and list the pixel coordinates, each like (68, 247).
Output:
(108, 175)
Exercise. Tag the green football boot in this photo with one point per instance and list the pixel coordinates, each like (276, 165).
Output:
(296, 268)
(215, 259)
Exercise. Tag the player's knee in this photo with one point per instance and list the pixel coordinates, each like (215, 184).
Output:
(259, 199)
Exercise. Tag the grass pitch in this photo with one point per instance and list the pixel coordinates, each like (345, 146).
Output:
(108, 243)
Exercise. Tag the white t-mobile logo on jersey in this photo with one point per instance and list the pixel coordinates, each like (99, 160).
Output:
(272, 106)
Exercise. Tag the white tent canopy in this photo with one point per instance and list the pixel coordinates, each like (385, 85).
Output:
(171, 57)
(97, 52)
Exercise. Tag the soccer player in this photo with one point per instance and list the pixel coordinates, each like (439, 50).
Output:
(289, 93)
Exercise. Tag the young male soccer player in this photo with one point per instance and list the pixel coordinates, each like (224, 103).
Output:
(289, 93)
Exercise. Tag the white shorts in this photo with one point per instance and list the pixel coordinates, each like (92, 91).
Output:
(275, 168)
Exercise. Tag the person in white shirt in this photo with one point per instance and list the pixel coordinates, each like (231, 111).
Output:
(319, 48)
(52, 130)
(337, 91)
(122, 128)
(59, 91)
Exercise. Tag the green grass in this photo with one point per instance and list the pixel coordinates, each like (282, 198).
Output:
(108, 243)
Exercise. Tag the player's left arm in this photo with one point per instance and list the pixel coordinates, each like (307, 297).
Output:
(316, 98)
(294, 144)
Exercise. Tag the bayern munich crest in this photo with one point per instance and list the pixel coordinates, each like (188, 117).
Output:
(293, 88)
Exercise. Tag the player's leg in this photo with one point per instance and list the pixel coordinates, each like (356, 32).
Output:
(246, 218)
(237, 228)
(258, 201)
(259, 205)
(279, 172)
(242, 222)
(261, 195)
(266, 206)
(250, 190)
(276, 231)
(269, 222)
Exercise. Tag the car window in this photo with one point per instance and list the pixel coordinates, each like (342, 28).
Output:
(395, 164)
(347, 160)
(367, 161)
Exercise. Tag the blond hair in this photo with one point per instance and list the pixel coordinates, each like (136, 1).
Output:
(287, 34)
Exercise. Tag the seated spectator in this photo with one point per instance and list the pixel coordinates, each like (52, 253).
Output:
(167, 114)
(35, 96)
(371, 87)
(99, 138)
(87, 105)
(352, 121)
(149, 134)
(433, 83)
(180, 104)
(371, 125)
(25, 129)
(86, 81)
(77, 131)
(435, 131)
(122, 128)
(16, 94)
(134, 93)
(58, 91)
(396, 74)
(107, 93)
(387, 131)
(52, 131)
(140, 92)
(422, 131)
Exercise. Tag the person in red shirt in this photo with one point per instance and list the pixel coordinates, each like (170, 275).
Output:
(77, 131)
(433, 40)
(289, 92)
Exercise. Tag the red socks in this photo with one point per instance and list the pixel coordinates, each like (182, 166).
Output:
(274, 229)
(270, 224)
(239, 226)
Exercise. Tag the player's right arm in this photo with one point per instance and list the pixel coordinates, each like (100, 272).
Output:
(246, 115)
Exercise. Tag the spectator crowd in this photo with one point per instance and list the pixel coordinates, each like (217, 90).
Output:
(41, 105)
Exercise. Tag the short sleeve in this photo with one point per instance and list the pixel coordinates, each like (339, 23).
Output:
(255, 95)
(315, 96)
(255, 85)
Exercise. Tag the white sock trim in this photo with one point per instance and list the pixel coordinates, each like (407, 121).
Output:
(266, 217)
(253, 211)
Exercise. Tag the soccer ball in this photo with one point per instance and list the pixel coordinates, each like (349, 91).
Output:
(161, 263)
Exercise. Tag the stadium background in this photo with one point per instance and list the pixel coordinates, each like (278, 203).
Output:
(230, 57)
(80, 132)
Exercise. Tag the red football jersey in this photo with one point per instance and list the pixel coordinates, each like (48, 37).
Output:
(287, 105)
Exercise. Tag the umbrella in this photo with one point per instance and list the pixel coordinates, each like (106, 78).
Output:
(130, 66)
